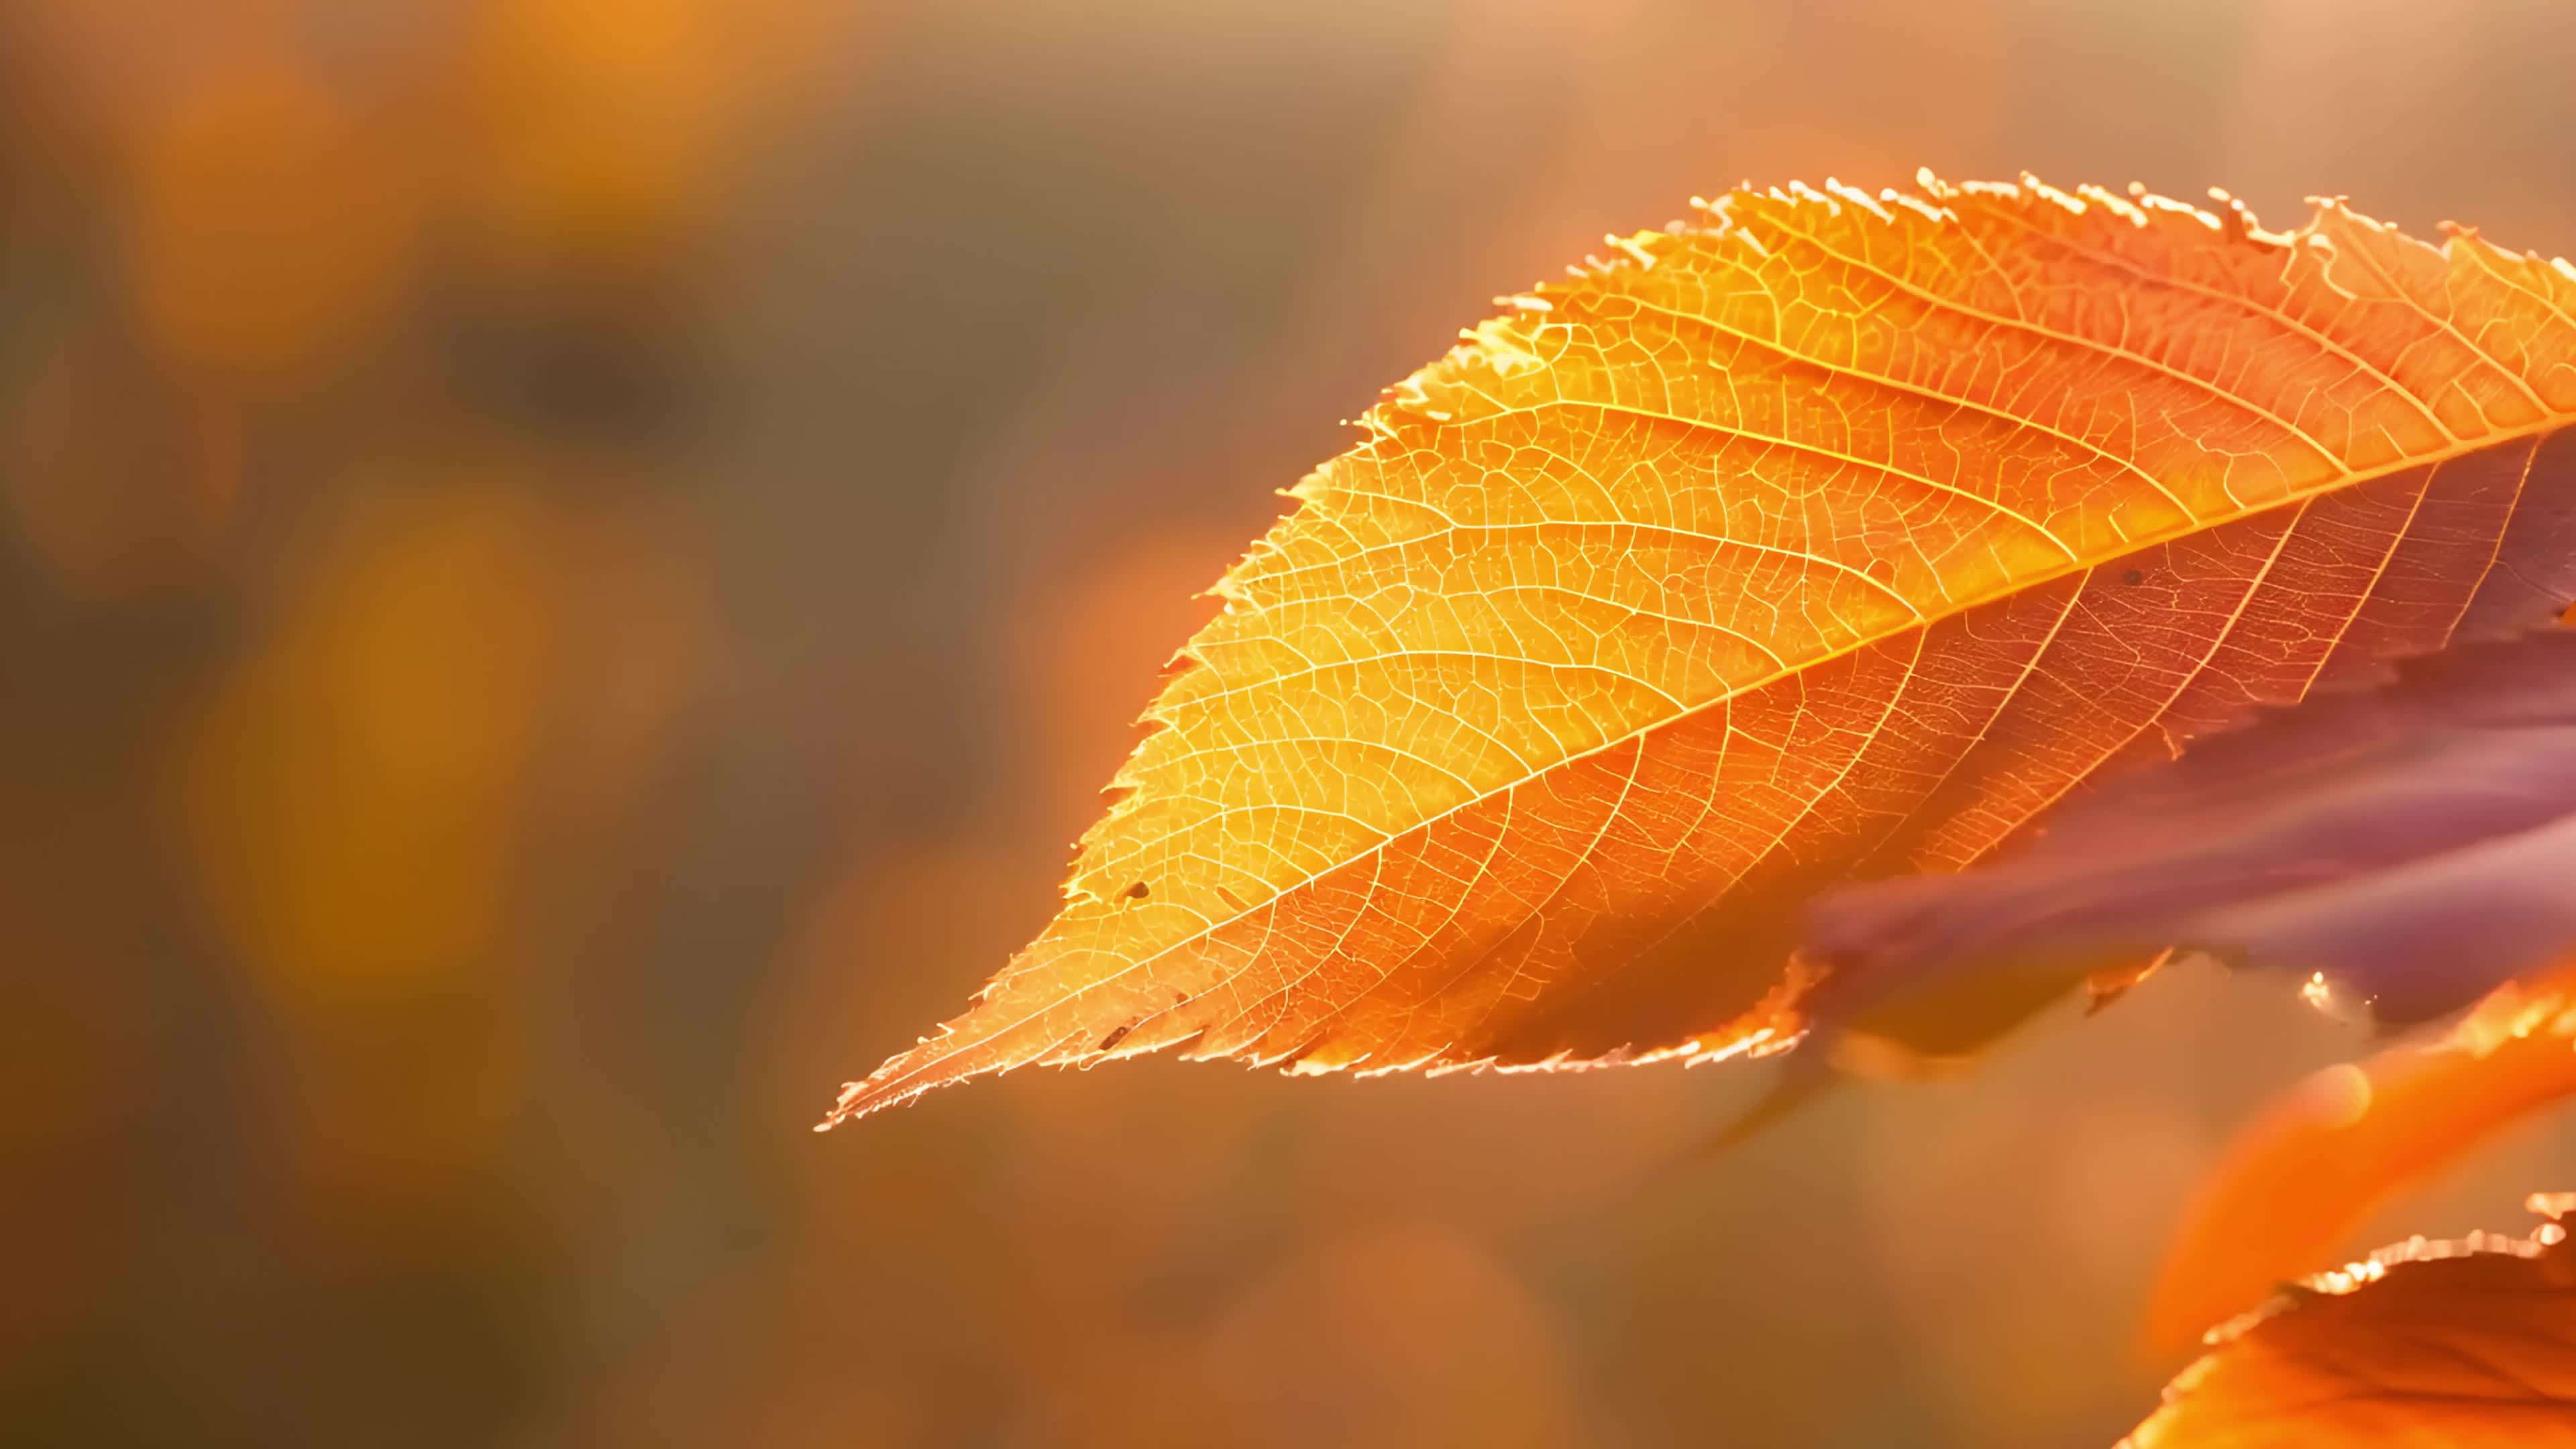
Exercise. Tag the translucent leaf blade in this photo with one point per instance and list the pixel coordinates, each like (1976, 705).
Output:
(1828, 536)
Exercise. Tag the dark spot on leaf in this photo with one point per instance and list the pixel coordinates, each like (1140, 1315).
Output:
(1115, 1037)
(1137, 892)
(2134, 576)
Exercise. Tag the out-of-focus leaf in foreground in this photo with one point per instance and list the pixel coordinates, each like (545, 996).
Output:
(2470, 1345)
(2408, 846)
(1823, 536)
(2299, 1180)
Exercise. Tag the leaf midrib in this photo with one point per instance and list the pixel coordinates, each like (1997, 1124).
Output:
(884, 1091)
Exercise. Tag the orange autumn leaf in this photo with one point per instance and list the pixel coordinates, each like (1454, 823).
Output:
(1826, 535)
(2468, 1344)
(2307, 1173)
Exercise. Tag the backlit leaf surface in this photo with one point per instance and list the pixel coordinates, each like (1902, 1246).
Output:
(2469, 1345)
(1824, 535)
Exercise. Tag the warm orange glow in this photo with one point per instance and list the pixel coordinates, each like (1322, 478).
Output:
(571, 570)
(2301, 1178)
(1830, 532)
(272, 225)
(2467, 1343)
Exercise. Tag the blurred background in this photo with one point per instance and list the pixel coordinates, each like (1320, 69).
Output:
(569, 567)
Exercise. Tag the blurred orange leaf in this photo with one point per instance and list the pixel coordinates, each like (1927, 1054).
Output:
(1826, 535)
(122, 482)
(2462, 1344)
(2306, 1174)
(272, 226)
(603, 122)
